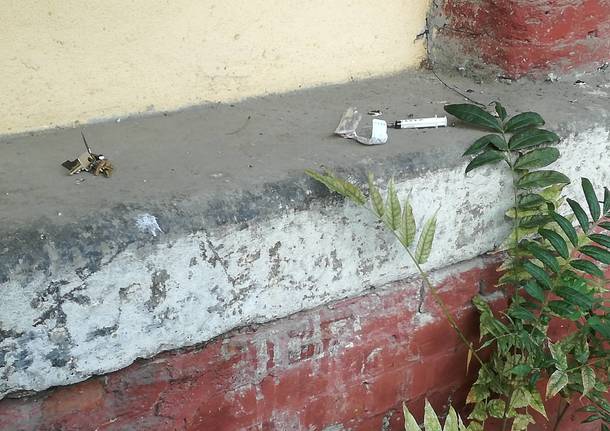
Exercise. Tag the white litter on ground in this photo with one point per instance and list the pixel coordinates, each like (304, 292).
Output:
(148, 223)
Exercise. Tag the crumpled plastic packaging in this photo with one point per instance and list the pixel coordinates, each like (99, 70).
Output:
(349, 123)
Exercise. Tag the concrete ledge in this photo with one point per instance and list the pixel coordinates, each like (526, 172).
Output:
(244, 237)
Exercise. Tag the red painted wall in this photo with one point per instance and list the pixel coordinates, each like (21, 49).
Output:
(350, 364)
(531, 36)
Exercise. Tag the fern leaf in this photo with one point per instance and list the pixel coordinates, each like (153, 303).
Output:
(407, 226)
(351, 191)
(392, 207)
(426, 238)
(410, 422)
(376, 199)
(431, 422)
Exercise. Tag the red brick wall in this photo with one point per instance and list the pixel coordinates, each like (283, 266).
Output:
(350, 364)
(531, 36)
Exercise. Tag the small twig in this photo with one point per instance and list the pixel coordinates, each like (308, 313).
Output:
(431, 62)
(467, 32)
(454, 89)
(242, 127)
(439, 301)
(509, 401)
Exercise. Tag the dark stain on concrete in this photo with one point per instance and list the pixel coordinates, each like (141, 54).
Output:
(78, 299)
(3, 353)
(275, 260)
(336, 265)
(273, 251)
(22, 359)
(58, 357)
(102, 332)
(124, 291)
(52, 299)
(212, 258)
(9, 333)
(365, 267)
(158, 288)
(247, 255)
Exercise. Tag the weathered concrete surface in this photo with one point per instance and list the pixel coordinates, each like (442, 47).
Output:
(344, 366)
(131, 268)
(347, 365)
(517, 37)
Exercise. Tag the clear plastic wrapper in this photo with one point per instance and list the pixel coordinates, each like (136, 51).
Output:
(349, 123)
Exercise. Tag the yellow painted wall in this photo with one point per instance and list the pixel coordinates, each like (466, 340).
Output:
(63, 61)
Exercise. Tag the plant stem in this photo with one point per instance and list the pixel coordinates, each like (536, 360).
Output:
(588, 364)
(513, 266)
(444, 309)
(561, 413)
(439, 301)
(507, 407)
(516, 202)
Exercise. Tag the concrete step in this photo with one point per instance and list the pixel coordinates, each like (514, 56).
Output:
(209, 223)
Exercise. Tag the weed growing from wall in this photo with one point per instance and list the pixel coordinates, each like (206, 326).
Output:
(553, 274)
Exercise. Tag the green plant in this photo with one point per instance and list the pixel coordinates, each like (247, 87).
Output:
(431, 421)
(399, 220)
(552, 273)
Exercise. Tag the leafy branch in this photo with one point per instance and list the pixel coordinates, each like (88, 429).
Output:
(554, 271)
(399, 220)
